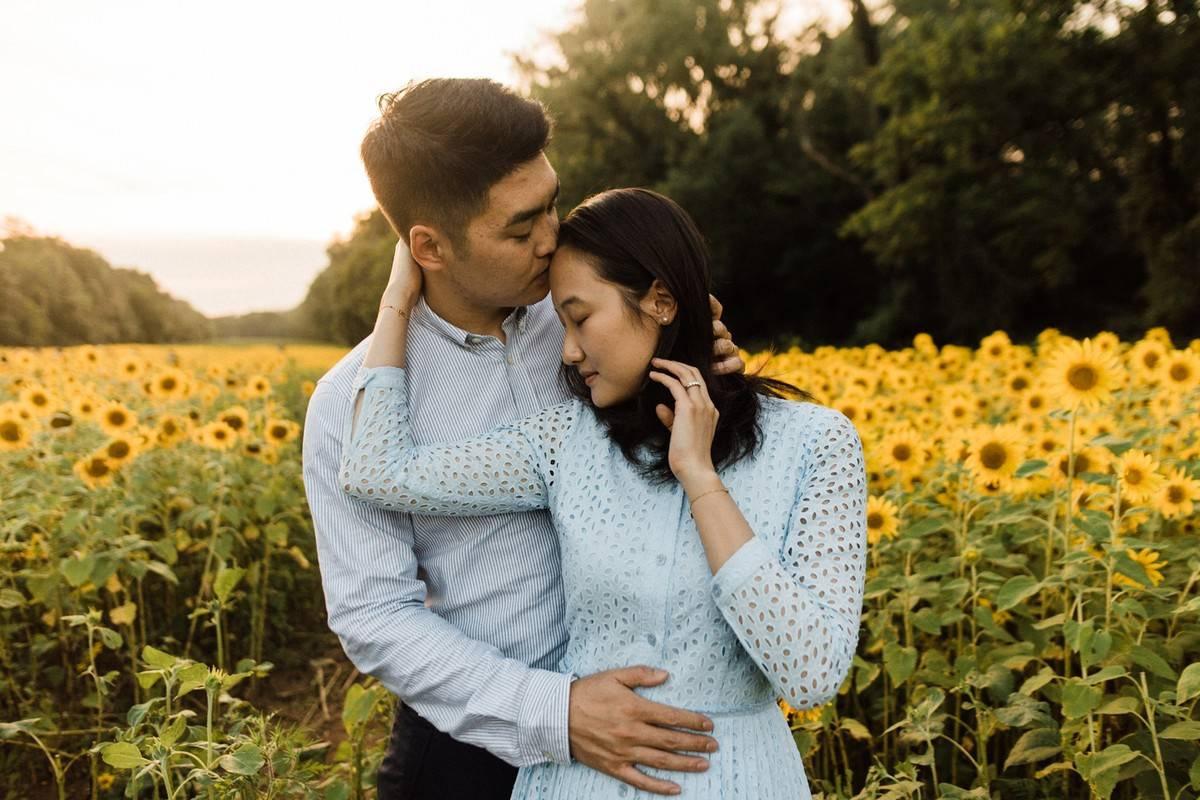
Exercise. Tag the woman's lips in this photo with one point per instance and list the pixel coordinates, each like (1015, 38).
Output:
(589, 378)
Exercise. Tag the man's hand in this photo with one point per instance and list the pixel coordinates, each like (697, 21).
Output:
(726, 358)
(612, 728)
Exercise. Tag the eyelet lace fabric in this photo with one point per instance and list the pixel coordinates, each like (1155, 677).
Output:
(779, 619)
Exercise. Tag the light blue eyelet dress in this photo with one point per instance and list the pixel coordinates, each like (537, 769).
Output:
(779, 618)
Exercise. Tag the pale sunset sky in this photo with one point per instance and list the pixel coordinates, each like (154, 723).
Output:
(215, 146)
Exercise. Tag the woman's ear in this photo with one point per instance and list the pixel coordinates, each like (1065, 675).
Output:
(659, 303)
(429, 247)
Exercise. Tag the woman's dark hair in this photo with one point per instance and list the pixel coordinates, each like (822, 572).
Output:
(439, 145)
(634, 236)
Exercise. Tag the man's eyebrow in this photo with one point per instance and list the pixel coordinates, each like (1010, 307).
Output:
(522, 216)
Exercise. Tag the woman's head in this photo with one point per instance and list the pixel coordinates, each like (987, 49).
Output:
(630, 282)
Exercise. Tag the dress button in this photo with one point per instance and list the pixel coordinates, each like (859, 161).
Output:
(651, 639)
(623, 790)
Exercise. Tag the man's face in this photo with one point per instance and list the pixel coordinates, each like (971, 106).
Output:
(511, 242)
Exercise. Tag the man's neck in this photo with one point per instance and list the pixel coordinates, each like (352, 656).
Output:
(450, 305)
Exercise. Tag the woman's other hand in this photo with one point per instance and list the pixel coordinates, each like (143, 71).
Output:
(693, 421)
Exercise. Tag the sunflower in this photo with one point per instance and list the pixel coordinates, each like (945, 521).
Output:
(131, 368)
(1149, 559)
(1034, 402)
(94, 470)
(171, 429)
(85, 407)
(1137, 473)
(903, 452)
(1178, 495)
(1146, 357)
(15, 432)
(60, 422)
(116, 418)
(994, 453)
(1087, 459)
(257, 386)
(217, 435)
(237, 418)
(1181, 371)
(170, 384)
(279, 431)
(1080, 374)
(118, 451)
(995, 347)
(958, 409)
(883, 519)
(37, 398)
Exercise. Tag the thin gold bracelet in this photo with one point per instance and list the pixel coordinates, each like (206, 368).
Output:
(697, 497)
(394, 308)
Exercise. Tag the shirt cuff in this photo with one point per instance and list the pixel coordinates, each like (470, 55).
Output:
(542, 728)
(739, 567)
(378, 376)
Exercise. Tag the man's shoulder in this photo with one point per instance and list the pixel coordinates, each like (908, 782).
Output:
(340, 376)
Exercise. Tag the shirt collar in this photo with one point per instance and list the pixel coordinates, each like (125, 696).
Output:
(513, 324)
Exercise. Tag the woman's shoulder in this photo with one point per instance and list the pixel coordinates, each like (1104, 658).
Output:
(804, 422)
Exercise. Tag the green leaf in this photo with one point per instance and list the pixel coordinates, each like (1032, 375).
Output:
(11, 598)
(1188, 730)
(246, 760)
(1106, 674)
(1152, 661)
(112, 640)
(161, 569)
(1030, 467)
(357, 706)
(924, 527)
(1119, 705)
(157, 658)
(1014, 590)
(855, 728)
(227, 579)
(900, 662)
(1189, 683)
(122, 755)
(1078, 699)
(77, 570)
(1101, 769)
(172, 732)
(1034, 745)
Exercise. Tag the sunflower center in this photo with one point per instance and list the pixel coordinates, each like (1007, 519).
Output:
(1150, 359)
(1180, 372)
(233, 422)
(874, 520)
(1082, 463)
(1134, 476)
(1036, 402)
(168, 384)
(993, 455)
(1175, 494)
(169, 427)
(61, 421)
(40, 399)
(10, 431)
(116, 418)
(279, 432)
(902, 452)
(1019, 383)
(1082, 377)
(97, 468)
(118, 449)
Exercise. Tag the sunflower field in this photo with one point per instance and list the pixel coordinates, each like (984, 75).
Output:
(1031, 621)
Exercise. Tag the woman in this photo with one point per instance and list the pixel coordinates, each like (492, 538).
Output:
(756, 593)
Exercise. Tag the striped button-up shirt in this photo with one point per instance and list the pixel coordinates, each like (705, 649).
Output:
(477, 660)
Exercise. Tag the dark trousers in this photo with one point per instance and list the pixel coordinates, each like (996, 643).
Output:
(422, 763)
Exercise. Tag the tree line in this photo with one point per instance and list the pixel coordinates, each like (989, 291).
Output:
(948, 166)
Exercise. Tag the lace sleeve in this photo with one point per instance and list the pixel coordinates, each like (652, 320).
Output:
(797, 611)
(510, 468)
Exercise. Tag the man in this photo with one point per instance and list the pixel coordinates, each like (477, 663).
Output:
(458, 169)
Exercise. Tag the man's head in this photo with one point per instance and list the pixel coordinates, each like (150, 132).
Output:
(458, 170)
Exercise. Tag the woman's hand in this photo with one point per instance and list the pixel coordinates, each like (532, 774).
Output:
(405, 280)
(693, 421)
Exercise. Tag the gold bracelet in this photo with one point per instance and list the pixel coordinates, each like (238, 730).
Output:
(697, 497)
(394, 308)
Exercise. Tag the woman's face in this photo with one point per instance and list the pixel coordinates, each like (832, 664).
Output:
(602, 340)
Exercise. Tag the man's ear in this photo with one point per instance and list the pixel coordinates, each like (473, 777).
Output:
(659, 302)
(429, 247)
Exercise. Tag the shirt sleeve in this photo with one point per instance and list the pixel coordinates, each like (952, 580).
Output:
(376, 606)
(797, 611)
(510, 468)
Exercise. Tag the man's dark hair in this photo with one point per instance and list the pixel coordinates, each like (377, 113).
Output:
(440, 144)
(633, 236)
